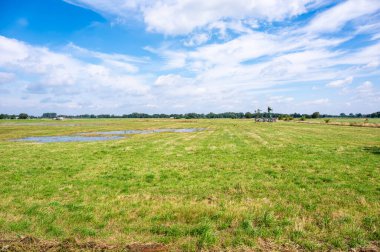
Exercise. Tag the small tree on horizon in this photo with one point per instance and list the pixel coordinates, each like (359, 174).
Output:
(315, 115)
(248, 115)
(23, 116)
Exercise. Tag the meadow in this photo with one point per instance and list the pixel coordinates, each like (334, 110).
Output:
(368, 122)
(238, 185)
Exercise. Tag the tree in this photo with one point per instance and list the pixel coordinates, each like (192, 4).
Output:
(315, 115)
(23, 116)
(248, 115)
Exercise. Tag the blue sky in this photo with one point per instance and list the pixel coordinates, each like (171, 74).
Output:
(178, 56)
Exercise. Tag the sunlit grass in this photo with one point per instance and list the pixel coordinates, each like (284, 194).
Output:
(235, 185)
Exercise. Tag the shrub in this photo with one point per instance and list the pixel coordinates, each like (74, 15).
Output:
(327, 120)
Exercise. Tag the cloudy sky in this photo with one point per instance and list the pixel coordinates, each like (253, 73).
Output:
(178, 56)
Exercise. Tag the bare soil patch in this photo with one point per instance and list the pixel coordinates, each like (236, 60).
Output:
(33, 244)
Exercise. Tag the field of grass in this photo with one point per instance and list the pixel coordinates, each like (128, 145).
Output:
(236, 185)
(369, 120)
(348, 120)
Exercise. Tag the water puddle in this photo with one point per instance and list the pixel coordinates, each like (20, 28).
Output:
(104, 135)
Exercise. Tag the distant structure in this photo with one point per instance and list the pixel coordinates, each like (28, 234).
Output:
(262, 118)
(60, 118)
(49, 115)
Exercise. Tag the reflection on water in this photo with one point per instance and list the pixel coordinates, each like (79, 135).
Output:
(89, 136)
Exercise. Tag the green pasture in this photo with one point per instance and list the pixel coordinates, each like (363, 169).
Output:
(236, 185)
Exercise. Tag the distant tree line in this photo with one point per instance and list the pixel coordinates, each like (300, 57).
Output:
(233, 115)
(19, 116)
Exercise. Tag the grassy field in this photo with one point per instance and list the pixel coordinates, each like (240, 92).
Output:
(348, 120)
(351, 122)
(236, 185)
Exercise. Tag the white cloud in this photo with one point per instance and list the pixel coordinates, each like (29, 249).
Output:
(114, 61)
(335, 18)
(230, 50)
(62, 73)
(365, 88)
(279, 99)
(322, 101)
(368, 94)
(12, 50)
(120, 8)
(149, 105)
(173, 17)
(373, 63)
(253, 59)
(197, 39)
(340, 83)
(191, 14)
(172, 80)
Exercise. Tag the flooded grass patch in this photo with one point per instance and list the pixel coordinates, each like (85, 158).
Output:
(92, 136)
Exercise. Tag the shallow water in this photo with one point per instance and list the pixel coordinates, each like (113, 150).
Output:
(85, 137)
(129, 132)
(57, 139)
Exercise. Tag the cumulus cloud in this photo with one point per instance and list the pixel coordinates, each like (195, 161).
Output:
(215, 54)
(290, 54)
(59, 69)
(82, 85)
(174, 17)
(159, 16)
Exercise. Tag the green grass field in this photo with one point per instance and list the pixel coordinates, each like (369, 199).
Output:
(237, 185)
(352, 122)
(348, 120)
